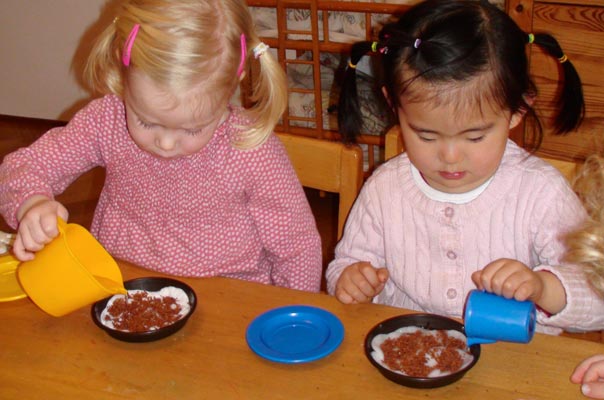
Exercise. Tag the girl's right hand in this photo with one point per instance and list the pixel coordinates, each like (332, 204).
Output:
(37, 225)
(590, 374)
(360, 283)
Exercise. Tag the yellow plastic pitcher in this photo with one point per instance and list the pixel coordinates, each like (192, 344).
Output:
(70, 272)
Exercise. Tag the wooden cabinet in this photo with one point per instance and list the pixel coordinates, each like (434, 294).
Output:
(579, 27)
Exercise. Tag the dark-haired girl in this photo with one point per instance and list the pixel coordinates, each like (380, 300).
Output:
(464, 206)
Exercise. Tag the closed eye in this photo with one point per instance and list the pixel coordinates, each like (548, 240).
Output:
(144, 124)
(476, 139)
(193, 132)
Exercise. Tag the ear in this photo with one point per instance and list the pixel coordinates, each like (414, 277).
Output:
(517, 118)
(242, 76)
(387, 97)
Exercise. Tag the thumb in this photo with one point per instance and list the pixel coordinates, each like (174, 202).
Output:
(594, 390)
(383, 275)
(62, 212)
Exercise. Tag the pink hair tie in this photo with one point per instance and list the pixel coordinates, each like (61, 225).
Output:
(243, 54)
(128, 45)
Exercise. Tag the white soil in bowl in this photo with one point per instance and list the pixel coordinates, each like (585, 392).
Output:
(414, 356)
(144, 304)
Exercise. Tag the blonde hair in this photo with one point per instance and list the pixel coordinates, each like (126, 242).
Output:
(586, 245)
(183, 43)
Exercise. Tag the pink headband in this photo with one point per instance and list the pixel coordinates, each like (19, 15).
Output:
(243, 54)
(128, 45)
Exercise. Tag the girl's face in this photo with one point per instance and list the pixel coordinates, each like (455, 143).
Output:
(455, 148)
(167, 125)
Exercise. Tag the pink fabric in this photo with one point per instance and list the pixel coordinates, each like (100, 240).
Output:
(431, 248)
(221, 211)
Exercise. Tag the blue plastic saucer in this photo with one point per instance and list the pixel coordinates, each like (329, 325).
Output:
(295, 334)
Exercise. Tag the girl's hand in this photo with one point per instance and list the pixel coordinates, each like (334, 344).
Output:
(37, 225)
(513, 279)
(590, 374)
(510, 279)
(360, 282)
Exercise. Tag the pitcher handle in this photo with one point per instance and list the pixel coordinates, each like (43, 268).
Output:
(61, 226)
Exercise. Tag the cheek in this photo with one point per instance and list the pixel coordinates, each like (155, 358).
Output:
(489, 157)
(193, 144)
(138, 135)
(418, 151)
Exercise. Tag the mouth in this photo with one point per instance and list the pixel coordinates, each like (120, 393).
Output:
(452, 175)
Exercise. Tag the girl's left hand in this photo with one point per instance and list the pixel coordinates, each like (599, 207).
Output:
(510, 279)
(590, 374)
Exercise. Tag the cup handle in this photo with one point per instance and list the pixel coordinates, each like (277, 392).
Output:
(472, 341)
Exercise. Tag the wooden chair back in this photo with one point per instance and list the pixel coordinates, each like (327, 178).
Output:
(81, 196)
(328, 166)
(394, 146)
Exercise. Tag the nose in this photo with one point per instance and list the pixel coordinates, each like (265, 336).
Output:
(165, 142)
(450, 153)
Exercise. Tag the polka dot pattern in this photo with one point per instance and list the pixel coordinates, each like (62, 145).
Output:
(222, 211)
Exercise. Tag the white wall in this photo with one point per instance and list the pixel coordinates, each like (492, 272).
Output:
(42, 46)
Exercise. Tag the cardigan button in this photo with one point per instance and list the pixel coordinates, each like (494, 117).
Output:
(449, 212)
(451, 255)
(451, 294)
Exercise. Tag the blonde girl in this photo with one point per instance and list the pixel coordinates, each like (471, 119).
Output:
(194, 186)
(586, 249)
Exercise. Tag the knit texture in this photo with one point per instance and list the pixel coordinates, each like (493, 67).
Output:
(221, 211)
(432, 248)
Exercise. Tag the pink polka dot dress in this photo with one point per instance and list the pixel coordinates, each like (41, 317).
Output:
(221, 211)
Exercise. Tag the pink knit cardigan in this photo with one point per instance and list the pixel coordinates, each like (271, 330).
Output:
(431, 248)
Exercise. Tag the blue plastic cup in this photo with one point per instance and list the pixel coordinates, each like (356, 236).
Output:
(489, 318)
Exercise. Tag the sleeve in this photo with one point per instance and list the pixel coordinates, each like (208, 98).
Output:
(363, 238)
(51, 164)
(584, 307)
(284, 220)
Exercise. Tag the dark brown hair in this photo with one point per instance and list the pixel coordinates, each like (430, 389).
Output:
(453, 41)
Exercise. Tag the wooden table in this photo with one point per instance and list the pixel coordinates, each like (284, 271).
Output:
(44, 357)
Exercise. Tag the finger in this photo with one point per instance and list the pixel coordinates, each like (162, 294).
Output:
(20, 252)
(383, 276)
(366, 289)
(519, 284)
(48, 224)
(368, 274)
(30, 238)
(594, 372)
(583, 366)
(487, 275)
(524, 291)
(476, 278)
(349, 288)
(62, 212)
(507, 277)
(593, 390)
(343, 297)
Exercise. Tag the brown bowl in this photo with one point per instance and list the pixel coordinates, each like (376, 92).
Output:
(151, 284)
(426, 321)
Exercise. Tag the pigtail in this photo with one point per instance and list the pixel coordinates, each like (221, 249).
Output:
(570, 103)
(269, 100)
(350, 121)
(102, 72)
(585, 247)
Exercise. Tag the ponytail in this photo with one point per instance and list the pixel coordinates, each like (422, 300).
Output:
(269, 100)
(570, 104)
(350, 121)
